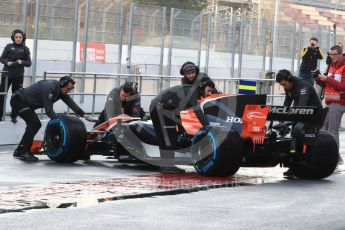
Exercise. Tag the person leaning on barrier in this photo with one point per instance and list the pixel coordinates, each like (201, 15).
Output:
(121, 100)
(42, 94)
(15, 57)
(310, 55)
(334, 85)
(165, 110)
(301, 93)
(192, 75)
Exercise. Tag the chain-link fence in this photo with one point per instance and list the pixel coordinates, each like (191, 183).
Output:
(118, 37)
(185, 34)
(11, 16)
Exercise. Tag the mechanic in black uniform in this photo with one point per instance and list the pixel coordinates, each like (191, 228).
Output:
(165, 109)
(14, 57)
(192, 75)
(121, 100)
(42, 94)
(301, 93)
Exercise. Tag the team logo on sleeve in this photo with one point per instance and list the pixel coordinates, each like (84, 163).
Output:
(303, 91)
(50, 96)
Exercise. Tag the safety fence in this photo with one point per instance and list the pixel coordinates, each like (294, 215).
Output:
(118, 37)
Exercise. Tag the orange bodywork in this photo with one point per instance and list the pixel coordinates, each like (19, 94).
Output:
(254, 123)
(36, 146)
(105, 125)
(190, 122)
(215, 96)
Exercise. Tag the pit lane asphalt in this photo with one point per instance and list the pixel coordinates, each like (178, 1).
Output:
(272, 203)
(288, 204)
(14, 172)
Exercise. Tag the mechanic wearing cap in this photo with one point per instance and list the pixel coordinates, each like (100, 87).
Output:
(42, 94)
(165, 110)
(121, 100)
(334, 84)
(14, 57)
(301, 93)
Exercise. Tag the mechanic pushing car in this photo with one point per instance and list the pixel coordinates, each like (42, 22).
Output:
(42, 94)
(301, 93)
(121, 100)
(165, 109)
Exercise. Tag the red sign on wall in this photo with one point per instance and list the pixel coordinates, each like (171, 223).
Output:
(95, 52)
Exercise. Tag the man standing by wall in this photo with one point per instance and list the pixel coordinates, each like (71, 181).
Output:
(14, 57)
(310, 55)
(334, 84)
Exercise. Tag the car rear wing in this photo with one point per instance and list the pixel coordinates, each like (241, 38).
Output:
(255, 116)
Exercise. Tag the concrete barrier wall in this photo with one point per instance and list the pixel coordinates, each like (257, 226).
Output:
(12, 133)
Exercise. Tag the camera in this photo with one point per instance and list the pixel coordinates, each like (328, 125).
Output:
(315, 73)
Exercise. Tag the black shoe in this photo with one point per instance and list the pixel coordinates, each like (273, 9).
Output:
(171, 170)
(18, 153)
(289, 173)
(84, 157)
(14, 120)
(28, 157)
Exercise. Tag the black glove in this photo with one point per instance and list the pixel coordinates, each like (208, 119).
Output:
(146, 118)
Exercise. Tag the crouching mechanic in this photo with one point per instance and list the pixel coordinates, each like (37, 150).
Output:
(42, 94)
(301, 93)
(121, 100)
(165, 114)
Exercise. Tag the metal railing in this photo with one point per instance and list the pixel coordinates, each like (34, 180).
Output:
(147, 85)
(161, 82)
(4, 93)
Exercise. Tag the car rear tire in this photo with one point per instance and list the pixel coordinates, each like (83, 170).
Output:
(65, 139)
(322, 159)
(216, 152)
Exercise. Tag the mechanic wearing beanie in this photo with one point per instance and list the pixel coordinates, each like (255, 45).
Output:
(301, 93)
(121, 100)
(165, 111)
(192, 75)
(14, 57)
(42, 94)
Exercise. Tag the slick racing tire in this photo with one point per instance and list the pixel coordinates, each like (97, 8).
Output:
(321, 158)
(216, 152)
(65, 139)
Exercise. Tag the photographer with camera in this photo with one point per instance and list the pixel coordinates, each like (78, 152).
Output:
(310, 56)
(334, 85)
(329, 58)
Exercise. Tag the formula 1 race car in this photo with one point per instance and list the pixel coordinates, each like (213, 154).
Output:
(243, 132)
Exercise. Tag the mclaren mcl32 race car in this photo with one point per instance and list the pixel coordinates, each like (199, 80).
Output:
(243, 132)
